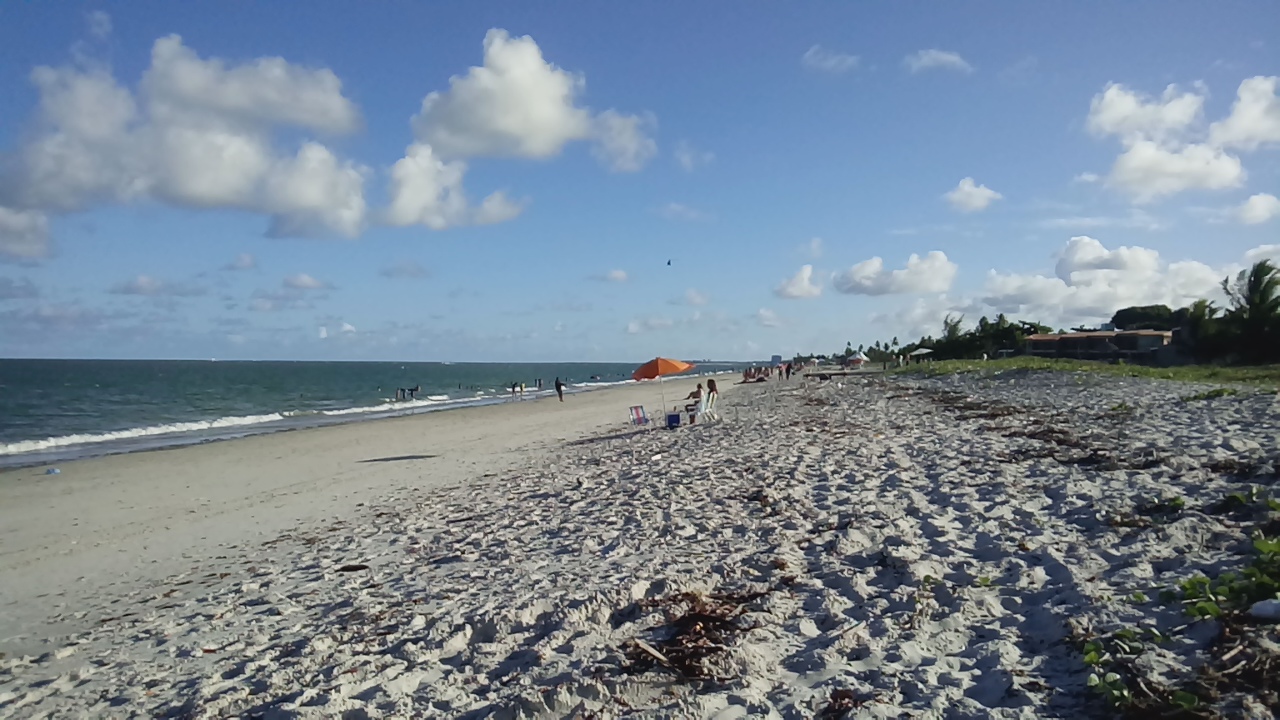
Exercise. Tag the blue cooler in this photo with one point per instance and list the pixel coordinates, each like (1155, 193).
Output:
(673, 420)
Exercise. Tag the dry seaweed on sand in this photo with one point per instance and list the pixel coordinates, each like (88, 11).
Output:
(697, 628)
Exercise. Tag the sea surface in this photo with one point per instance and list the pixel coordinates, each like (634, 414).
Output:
(54, 410)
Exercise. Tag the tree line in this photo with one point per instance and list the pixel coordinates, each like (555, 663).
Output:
(1245, 331)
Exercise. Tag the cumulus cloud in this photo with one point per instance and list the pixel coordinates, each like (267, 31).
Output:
(768, 318)
(1117, 110)
(154, 287)
(622, 141)
(23, 289)
(426, 190)
(1262, 252)
(24, 235)
(404, 270)
(1148, 170)
(824, 60)
(514, 105)
(1091, 282)
(1258, 209)
(303, 281)
(936, 59)
(932, 273)
(1087, 177)
(969, 196)
(243, 261)
(617, 276)
(197, 133)
(1166, 148)
(800, 285)
(348, 327)
(1255, 116)
(690, 158)
(323, 332)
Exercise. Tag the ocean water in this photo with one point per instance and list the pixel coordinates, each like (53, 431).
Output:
(52, 410)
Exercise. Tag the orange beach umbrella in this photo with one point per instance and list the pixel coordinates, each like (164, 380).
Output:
(658, 367)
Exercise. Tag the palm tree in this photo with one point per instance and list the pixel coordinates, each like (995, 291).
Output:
(1254, 317)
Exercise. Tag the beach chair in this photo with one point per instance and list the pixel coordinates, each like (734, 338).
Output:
(706, 408)
(710, 410)
(639, 416)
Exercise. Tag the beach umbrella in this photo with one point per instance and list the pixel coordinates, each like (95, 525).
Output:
(658, 367)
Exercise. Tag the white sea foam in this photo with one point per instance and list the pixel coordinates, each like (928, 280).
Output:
(26, 446)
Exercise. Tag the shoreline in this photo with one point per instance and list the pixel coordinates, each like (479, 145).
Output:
(120, 519)
(157, 437)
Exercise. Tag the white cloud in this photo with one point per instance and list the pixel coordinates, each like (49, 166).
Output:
(515, 105)
(617, 276)
(939, 59)
(198, 134)
(404, 269)
(1262, 252)
(690, 158)
(1167, 149)
(1258, 209)
(1148, 171)
(426, 190)
(24, 235)
(323, 332)
(181, 87)
(800, 285)
(767, 318)
(99, 24)
(831, 61)
(1087, 177)
(303, 281)
(677, 211)
(348, 327)
(933, 273)
(154, 287)
(968, 196)
(1131, 115)
(813, 248)
(1092, 282)
(635, 327)
(1254, 118)
(622, 143)
(497, 208)
(243, 261)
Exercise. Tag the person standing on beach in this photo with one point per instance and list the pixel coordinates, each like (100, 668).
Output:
(560, 389)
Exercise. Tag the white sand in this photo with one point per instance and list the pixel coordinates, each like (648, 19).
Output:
(910, 554)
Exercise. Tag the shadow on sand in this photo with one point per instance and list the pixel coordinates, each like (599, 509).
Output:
(399, 458)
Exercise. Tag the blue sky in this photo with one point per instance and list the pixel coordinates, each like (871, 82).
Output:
(456, 182)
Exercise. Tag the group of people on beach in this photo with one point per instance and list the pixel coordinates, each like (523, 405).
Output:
(517, 389)
(762, 374)
(696, 395)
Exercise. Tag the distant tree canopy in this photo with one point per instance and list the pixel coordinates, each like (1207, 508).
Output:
(1246, 331)
(1146, 317)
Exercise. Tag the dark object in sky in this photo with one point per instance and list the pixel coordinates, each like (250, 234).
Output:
(668, 263)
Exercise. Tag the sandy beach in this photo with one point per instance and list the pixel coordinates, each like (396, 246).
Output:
(931, 548)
